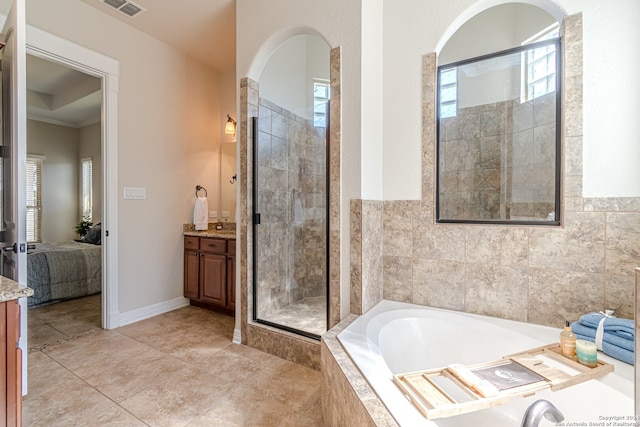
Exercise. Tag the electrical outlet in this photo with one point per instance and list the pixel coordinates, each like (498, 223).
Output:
(213, 214)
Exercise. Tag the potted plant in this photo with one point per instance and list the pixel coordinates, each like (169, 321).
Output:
(83, 226)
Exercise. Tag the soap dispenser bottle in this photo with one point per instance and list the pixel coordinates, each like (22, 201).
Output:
(568, 341)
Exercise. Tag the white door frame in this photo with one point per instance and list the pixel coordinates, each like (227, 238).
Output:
(53, 48)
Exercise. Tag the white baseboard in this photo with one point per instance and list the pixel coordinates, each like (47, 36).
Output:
(237, 336)
(152, 310)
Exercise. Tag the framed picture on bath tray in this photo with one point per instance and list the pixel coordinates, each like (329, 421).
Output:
(509, 375)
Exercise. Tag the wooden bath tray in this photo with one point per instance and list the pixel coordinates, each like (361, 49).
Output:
(440, 393)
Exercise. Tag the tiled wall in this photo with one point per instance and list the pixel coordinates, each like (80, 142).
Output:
(366, 267)
(497, 161)
(292, 204)
(541, 274)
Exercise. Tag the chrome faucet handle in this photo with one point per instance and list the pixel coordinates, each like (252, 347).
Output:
(534, 413)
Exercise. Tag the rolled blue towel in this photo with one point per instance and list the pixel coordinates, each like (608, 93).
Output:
(608, 337)
(611, 350)
(624, 328)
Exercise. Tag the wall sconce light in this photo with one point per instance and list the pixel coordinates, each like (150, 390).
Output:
(230, 126)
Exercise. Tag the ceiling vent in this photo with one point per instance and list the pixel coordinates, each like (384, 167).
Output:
(125, 7)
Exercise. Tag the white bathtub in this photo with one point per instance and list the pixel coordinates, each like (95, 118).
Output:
(395, 338)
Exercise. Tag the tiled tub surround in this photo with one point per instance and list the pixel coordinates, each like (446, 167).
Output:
(497, 161)
(292, 205)
(347, 398)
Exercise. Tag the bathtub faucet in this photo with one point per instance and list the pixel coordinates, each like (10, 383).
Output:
(537, 410)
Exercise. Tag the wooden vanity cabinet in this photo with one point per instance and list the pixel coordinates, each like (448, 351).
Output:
(207, 273)
(11, 361)
(191, 267)
(231, 274)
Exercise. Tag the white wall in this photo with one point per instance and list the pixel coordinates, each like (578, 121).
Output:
(611, 99)
(169, 122)
(60, 169)
(372, 118)
(493, 30)
(91, 146)
(611, 152)
(228, 146)
(502, 27)
(287, 78)
(262, 26)
(283, 80)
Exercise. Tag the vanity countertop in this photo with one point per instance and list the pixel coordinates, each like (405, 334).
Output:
(228, 231)
(11, 290)
(221, 234)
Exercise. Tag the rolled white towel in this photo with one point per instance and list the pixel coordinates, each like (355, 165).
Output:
(200, 211)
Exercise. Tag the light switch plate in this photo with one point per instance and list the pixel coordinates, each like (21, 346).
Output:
(225, 214)
(213, 214)
(135, 193)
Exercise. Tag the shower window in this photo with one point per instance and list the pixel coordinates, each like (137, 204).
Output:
(448, 92)
(499, 154)
(320, 102)
(539, 65)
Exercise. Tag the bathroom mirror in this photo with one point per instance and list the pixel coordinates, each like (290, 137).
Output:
(228, 181)
(498, 129)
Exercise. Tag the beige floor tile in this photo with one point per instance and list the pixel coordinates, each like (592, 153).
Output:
(77, 324)
(95, 300)
(123, 379)
(42, 335)
(188, 338)
(247, 406)
(86, 353)
(52, 311)
(176, 369)
(67, 405)
(290, 383)
(176, 401)
(114, 417)
(45, 375)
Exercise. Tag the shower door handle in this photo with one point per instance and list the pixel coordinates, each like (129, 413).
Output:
(256, 218)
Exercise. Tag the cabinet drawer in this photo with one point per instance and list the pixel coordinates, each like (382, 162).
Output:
(191, 243)
(231, 247)
(213, 245)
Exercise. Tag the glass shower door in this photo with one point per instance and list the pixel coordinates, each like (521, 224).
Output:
(290, 221)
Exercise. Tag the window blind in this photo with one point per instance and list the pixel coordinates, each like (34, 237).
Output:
(87, 188)
(34, 199)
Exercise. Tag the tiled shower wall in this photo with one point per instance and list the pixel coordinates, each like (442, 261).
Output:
(541, 274)
(497, 160)
(292, 204)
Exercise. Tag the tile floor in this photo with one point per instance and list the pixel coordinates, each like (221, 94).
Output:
(308, 314)
(176, 369)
